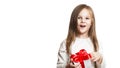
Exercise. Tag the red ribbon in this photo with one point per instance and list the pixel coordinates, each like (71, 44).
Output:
(80, 57)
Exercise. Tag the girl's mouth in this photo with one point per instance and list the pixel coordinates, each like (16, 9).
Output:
(82, 26)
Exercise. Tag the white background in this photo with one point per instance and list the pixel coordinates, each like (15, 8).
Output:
(31, 31)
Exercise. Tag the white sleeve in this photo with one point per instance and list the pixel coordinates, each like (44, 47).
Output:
(102, 65)
(62, 56)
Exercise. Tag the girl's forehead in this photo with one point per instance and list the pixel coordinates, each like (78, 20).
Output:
(84, 12)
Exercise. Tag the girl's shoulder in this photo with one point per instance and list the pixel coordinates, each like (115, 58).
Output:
(64, 41)
(63, 45)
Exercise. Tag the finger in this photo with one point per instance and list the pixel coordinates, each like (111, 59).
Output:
(72, 65)
(100, 60)
(93, 55)
(75, 65)
(98, 57)
(92, 59)
(71, 59)
(78, 65)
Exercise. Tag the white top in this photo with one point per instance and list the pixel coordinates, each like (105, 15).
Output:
(80, 43)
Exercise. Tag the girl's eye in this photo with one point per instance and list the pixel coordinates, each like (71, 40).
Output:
(79, 17)
(87, 18)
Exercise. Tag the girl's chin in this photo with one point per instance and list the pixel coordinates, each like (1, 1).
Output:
(82, 31)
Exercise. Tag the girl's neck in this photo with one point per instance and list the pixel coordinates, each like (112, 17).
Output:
(83, 35)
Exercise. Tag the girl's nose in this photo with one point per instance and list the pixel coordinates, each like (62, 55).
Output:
(83, 20)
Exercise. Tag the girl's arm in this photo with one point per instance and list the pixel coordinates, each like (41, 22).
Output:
(62, 56)
(98, 57)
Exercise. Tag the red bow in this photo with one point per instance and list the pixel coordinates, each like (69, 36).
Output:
(80, 57)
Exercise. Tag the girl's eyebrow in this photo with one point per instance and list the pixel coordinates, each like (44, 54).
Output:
(85, 16)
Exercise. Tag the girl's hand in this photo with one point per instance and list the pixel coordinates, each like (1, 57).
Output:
(96, 57)
(73, 65)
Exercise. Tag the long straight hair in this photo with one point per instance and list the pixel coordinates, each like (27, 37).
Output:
(72, 32)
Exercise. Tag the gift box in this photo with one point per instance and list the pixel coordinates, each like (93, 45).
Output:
(81, 57)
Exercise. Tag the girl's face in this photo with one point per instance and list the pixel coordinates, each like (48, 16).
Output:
(84, 21)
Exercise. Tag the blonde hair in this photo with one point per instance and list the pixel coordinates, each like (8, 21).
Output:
(73, 27)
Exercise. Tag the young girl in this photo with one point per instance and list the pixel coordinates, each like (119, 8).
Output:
(81, 35)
